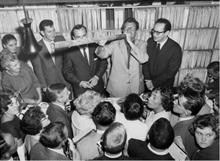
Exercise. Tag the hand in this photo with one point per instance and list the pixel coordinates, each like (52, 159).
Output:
(85, 84)
(102, 42)
(94, 81)
(128, 37)
(149, 84)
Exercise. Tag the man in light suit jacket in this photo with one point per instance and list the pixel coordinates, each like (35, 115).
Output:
(47, 64)
(165, 56)
(82, 68)
(127, 57)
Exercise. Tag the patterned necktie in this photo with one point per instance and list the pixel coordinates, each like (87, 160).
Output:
(52, 47)
(85, 54)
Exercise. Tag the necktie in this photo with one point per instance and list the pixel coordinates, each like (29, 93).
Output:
(52, 47)
(129, 53)
(157, 51)
(85, 54)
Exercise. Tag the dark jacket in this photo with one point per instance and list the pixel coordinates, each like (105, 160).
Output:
(162, 71)
(76, 69)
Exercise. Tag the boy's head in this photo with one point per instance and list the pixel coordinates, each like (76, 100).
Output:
(104, 114)
(114, 138)
(188, 105)
(161, 134)
(133, 107)
(58, 93)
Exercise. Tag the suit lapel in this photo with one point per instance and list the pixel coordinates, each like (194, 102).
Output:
(84, 61)
(46, 54)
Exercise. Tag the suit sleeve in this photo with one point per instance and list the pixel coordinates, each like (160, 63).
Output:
(146, 70)
(36, 62)
(36, 83)
(68, 70)
(102, 67)
(172, 69)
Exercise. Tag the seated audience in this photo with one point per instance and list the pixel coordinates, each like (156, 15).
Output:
(32, 123)
(213, 79)
(160, 137)
(132, 109)
(103, 116)
(10, 123)
(19, 78)
(206, 132)
(58, 95)
(161, 103)
(187, 107)
(82, 117)
(113, 143)
(53, 144)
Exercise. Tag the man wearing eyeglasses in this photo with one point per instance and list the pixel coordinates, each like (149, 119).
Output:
(165, 56)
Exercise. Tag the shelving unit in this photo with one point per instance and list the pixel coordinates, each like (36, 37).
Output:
(195, 27)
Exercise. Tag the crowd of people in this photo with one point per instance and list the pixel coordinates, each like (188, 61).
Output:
(56, 105)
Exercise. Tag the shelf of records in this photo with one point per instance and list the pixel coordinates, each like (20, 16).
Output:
(99, 18)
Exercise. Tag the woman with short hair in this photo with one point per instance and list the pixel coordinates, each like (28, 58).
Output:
(206, 132)
(19, 78)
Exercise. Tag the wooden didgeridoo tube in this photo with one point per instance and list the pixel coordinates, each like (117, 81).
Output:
(78, 42)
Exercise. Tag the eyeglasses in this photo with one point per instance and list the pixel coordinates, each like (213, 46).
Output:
(157, 32)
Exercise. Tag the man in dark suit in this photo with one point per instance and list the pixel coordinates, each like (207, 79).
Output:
(165, 56)
(58, 94)
(47, 64)
(82, 68)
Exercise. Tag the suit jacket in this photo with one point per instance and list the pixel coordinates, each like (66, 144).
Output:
(46, 71)
(139, 149)
(209, 153)
(162, 71)
(56, 113)
(182, 129)
(39, 152)
(91, 151)
(123, 81)
(76, 69)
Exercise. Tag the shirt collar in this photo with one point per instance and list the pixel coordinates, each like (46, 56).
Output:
(113, 155)
(100, 131)
(60, 151)
(186, 118)
(162, 43)
(164, 152)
